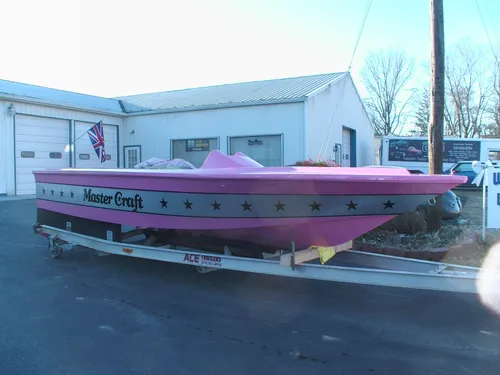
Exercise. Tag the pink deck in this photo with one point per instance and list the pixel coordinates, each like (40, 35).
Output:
(235, 176)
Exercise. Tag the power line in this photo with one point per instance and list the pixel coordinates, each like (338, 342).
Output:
(365, 16)
(486, 31)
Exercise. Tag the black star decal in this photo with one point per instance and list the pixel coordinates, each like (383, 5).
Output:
(52, 192)
(246, 206)
(216, 206)
(72, 194)
(280, 206)
(388, 204)
(43, 191)
(351, 205)
(62, 193)
(163, 203)
(315, 206)
(188, 204)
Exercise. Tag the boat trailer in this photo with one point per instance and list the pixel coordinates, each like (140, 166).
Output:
(345, 266)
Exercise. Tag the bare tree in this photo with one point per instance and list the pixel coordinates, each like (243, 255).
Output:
(467, 91)
(493, 110)
(385, 75)
(423, 112)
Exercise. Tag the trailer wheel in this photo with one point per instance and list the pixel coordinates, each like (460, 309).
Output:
(55, 249)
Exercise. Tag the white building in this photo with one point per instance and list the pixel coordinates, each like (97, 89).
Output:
(276, 122)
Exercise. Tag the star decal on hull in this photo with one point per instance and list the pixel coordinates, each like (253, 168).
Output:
(163, 203)
(351, 205)
(216, 206)
(315, 206)
(246, 206)
(280, 206)
(188, 204)
(389, 204)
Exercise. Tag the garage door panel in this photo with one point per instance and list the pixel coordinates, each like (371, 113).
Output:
(43, 131)
(35, 139)
(42, 149)
(38, 162)
(45, 138)
(84, 146)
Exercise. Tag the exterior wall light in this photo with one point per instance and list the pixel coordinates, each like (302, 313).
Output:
(11, 109)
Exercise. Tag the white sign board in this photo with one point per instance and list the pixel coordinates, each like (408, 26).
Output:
(493, 210)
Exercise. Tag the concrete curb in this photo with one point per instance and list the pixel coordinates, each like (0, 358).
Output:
(6, 198)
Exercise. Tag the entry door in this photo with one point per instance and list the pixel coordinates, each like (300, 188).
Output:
(346, 147)
(3, 167)
(132, 156)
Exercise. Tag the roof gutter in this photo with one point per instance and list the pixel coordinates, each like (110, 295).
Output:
(217, 106)
(51, 103)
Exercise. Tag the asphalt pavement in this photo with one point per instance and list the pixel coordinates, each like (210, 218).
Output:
(85, 314)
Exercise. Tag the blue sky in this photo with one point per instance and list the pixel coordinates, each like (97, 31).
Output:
(119, 47)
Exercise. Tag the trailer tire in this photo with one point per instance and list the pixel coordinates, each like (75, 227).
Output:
(55, 249)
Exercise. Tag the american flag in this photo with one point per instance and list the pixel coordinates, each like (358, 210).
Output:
(96, 135)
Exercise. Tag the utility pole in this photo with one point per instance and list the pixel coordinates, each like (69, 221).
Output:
(436, 124)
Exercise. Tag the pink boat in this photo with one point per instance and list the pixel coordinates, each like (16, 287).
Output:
(233, 198)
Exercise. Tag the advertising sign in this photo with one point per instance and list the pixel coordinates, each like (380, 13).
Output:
(197, 145)
(416, 150)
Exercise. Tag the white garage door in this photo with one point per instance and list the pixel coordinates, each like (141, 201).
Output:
(346, 147)
(40, 143)
(85, 156)
(265, 149)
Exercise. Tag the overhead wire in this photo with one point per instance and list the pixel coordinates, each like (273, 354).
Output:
(360, 32)
(329, 132)
(486, 31)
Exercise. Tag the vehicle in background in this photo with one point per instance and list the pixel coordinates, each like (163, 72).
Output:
(412, 152)
(464, 168)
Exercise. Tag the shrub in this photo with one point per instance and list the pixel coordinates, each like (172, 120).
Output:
(408, 223)
(313, 163)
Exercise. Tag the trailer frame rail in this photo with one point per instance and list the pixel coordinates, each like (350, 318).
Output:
(349, 266)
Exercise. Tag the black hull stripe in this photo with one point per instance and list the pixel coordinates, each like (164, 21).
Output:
(229, 206)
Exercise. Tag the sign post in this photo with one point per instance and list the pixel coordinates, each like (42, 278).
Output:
(493, 182)
(490, 176)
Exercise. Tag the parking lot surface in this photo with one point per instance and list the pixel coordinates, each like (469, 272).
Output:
(84, 314)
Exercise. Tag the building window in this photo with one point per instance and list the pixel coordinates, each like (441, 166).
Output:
(132, 156)
(27, 154)
(265, 149)
(84, 156)
(194, 150)
(55, 155)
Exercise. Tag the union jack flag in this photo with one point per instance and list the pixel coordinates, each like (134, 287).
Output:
(96, 135)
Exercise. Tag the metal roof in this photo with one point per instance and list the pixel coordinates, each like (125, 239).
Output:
(16, 90)
(235, 94)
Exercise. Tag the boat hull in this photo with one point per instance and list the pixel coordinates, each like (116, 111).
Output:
(235, 198)
(267, 219)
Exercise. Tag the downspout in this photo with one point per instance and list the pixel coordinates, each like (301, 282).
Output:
(305, 125)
